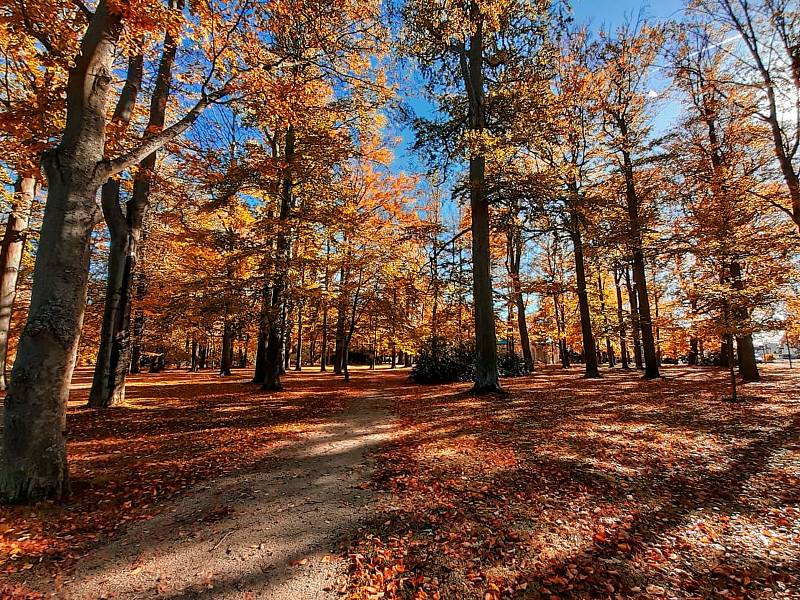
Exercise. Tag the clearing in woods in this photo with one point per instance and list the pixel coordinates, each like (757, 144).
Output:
(205, 487)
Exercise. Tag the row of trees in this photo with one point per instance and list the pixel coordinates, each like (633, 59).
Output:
(564, 142)
(219, 181)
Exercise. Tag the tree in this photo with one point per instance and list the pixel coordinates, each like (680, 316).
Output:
(34, 457)
(627, 59)
(769, 30)
(460, 46)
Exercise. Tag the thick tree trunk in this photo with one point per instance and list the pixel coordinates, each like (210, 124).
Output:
(609, 349)
(638, 266)
(298, 355)
(515, 260)
(11, 258)
(341, 322)
(34, 440)
(486, 373)
(275, 339)
(725, 352)
(35, 462)
(113, 357)
(323, 357)
(745, 350)
(286, 327)
(193, 366)
(589, 348)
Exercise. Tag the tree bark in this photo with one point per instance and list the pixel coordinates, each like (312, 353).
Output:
(638, 268)
(633, 300)
(298, 365)
(34, 440)
(226, 353)
(486, 372)
(623, 342)
(113, 356)
(515, 261)
(748, 368)
(11, 258)
(609, 349)
(589, 347)
(275, 349)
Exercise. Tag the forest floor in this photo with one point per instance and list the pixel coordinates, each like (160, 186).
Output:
(199, 487)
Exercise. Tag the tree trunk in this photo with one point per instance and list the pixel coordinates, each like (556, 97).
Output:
(286, 327)
(10, 259)
(748, 368)
(113, 357)
(589, 347)
(341, 322)
(226, 355)
(323, 357)
(623, 342)
(34, 440)
(633, 300)
(515, 261)
(298, 366)
(275, 338)
(193, 366)
(609, 349)
(486, 373)
(638, 267)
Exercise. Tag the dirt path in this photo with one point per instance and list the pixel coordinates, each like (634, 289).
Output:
(275, 533)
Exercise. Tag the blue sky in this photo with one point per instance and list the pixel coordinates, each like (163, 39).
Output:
(601, 14)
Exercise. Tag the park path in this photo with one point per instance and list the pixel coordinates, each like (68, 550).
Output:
(274, 533)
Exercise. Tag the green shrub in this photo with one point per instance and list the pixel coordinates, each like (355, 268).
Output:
(441, 361)
(512, 365)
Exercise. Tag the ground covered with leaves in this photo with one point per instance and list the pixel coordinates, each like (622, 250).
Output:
(573, 488)
(174, 430)
(565, 488)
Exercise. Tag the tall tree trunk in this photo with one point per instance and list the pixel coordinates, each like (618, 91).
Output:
(226, 354)
(589, 348)
(623, 341)
(609, 348)
(562, 342)
(263, 332)
(694, 346)
(113, 357)
(633, 300)
(34, 457)
(298, 366)
(323, 357)
(11, 258)
(34, 440)
(275, 349)
(286, 326)
(341, 322)
(638, 265)
(515, 260)
(486, 372)
(745, 350)
(193, 366)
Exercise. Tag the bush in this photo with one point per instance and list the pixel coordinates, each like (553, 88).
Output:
(440, 361)
(512, 365)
